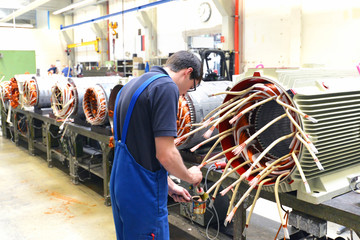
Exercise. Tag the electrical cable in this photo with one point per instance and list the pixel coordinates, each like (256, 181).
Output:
(22, 125)
(36, 127)
(208, 225)
(211, 168)
(89, 171)
(253, 204)
(58, 136)
(276, 192)
(225, 134)
(212, 149)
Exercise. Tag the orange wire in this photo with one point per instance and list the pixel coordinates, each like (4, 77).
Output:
(183, 118)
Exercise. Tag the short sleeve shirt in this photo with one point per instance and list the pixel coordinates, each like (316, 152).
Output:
(154, 115)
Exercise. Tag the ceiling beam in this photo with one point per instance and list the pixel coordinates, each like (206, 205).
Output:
(24, 9)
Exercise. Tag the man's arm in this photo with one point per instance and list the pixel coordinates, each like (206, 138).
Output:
(170, 158)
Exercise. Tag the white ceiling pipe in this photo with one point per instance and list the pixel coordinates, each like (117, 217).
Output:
(16, 25)
(74, 5)
(23, 10)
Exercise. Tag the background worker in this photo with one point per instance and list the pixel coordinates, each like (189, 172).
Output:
(67, 72)
(52, 69)
(139, 183)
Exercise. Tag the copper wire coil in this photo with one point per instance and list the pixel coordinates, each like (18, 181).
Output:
(5, 90)
(183, 118)
(30, 92)
(14, 93)
(246, 127)
(95, 105)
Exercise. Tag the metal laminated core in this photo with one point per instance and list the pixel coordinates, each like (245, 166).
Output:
(30, 92)
(265, 114)
(95, 105)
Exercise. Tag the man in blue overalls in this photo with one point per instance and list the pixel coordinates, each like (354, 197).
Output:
(145, 126)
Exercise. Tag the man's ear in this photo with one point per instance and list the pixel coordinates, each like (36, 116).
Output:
(189, 70)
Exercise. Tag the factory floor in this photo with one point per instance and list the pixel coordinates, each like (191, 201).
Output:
(38, 202)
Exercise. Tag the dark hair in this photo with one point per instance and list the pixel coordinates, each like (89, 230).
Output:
(185, 59)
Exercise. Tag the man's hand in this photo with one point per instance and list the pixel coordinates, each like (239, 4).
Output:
(179, 194)
(170, 158)
(196, 175)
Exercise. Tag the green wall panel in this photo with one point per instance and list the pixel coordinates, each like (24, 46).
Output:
(16, 62)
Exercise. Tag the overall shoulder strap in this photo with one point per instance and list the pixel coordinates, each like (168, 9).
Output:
(133, 101)
(115, 124)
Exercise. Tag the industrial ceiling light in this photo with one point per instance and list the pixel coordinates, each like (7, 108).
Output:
(72, 6)
(23, 10)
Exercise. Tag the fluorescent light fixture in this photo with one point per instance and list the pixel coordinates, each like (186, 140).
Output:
(74, 5)
(23, 10)
(11, 25)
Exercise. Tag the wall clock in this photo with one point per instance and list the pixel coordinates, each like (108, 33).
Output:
(204, 11)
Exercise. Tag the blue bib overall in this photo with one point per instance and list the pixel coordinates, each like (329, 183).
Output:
(138, 196)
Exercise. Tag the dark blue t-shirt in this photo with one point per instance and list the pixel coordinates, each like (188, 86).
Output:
(66, 70)
(154, 115)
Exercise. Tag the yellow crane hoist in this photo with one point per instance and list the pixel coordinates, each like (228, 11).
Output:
(95, 43)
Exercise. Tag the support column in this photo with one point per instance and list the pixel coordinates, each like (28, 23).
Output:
(106, 171)
(31, 134)
(226, 9)
(73, 164)
(148, 20)
(3, 121)
(69, 37)
(16, 131)
(48, 144)
(100, 30)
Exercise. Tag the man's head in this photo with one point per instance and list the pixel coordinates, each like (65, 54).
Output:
(185, 69)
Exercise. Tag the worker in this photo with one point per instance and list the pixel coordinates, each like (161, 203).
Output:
(67, 72)
(145, 121)
(52, 69)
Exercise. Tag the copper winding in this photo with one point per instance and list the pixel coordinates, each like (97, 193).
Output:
(254, 148)
(14, 93)
(63, 99)
(5, 90)
(95, 105)
(30, 92)
(183, 119)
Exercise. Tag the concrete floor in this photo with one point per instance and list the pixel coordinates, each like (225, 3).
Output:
(37, 202)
